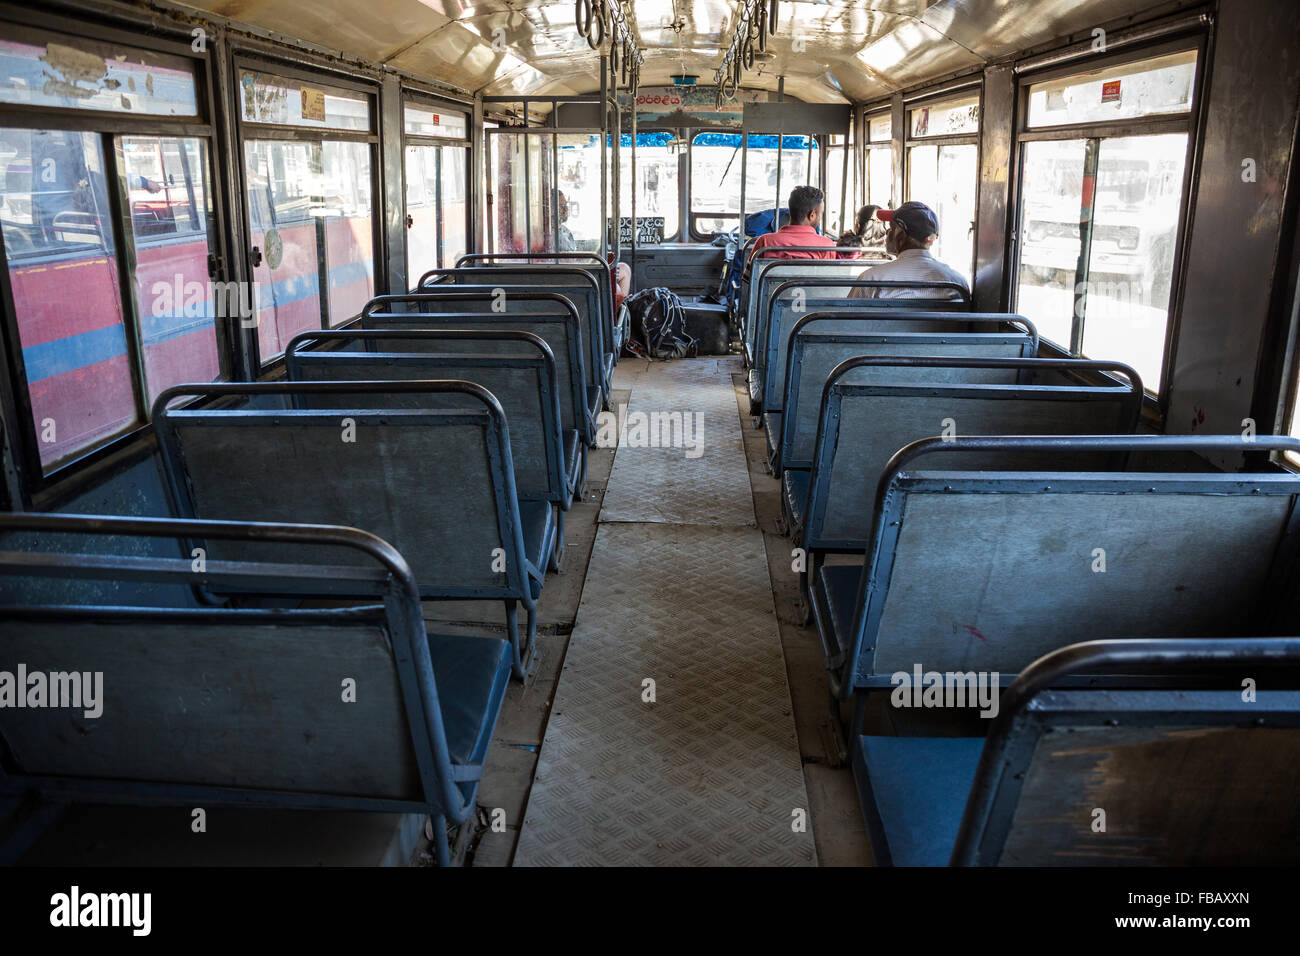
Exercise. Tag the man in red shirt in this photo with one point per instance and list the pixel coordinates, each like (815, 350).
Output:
(806, 206)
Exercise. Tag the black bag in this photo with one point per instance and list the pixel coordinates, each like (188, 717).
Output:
(658, 325)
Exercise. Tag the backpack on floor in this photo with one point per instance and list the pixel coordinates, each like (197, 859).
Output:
(658, 325)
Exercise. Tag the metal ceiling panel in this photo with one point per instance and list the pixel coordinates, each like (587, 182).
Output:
(851, 49)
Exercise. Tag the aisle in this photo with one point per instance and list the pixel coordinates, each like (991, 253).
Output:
(700, 767)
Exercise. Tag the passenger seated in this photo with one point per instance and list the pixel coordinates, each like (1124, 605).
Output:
(806, 206)
(913, 228)
(867, 232)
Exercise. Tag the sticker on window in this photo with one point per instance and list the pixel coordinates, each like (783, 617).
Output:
(313, 104)
(1110, 92)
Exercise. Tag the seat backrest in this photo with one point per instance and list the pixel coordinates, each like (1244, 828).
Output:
(819, 283)
(436, 482)
(1187, 776)
(240, 705)
(560, 330)
(524, 384)
(588, 261)
(822, 342)
(576, 284)
(874, 406)
(789, 300)
(989, 570)
(766, 272)
(786, 320)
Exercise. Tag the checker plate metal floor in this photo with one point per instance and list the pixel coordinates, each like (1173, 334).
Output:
(709, 773)
(664, 484)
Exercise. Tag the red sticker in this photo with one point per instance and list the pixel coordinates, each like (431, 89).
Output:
(1110, 92)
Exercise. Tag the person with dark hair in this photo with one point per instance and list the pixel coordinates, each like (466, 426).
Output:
(913, 227)
(806, 207)
(867, 232)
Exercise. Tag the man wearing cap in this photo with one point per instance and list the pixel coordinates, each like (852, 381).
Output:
(913, 227)
(806, 205)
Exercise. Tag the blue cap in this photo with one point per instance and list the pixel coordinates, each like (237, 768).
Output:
(916, 217)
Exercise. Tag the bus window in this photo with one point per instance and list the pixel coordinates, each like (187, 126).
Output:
(1111, 299)
(437, 226)
(59, 242)
(310, 215)
(715, 176)
(1049, 235)
(170, 214)
(879, 166)
(840, 195)
(421, 211)
(310, 208)
(454, 162)
(1135, 228)
(715, 183)
(657, 191)
(946, 178)
(579, 196)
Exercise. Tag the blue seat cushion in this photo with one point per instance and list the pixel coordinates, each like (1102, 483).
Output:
(772, 425)
(538, 519)
(837, 586)
(472, 674)
(913, 792)
(795, 484)
(572, 460)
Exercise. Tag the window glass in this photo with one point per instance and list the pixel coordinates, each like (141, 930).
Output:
(761, 187)
(170, 212)
(657, 191)
(310, 215)
(1152, 87)
(840, 207)
(455, 203)
(284, 102)
(949, 117)
(39, 69)
(715, 181)
(880, 128)
(880, 175)
(422, 211)
(1135, 229)
(58, 238)
(427, 121)
(946, 179)
(579, 197)
(1052, 193)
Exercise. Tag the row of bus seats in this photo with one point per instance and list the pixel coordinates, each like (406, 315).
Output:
(426, 451)
(966, 507)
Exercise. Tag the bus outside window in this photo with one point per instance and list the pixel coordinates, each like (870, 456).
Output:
(437, 210)
(715, 176)
(1100, 214)
(310, 206)
(72, 201)
(943, 172)
(657, 191)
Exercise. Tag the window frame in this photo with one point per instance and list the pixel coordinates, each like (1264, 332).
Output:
(868, 144)
(956, 89)
(33, 480)
(1190, 122)
(422, 100)
(246, 130)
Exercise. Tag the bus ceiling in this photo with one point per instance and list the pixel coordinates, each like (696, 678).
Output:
(856, 51)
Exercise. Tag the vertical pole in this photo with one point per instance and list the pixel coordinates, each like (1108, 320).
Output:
(632, 166)
(604, 162)
(1092, 150)
(780, 142)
